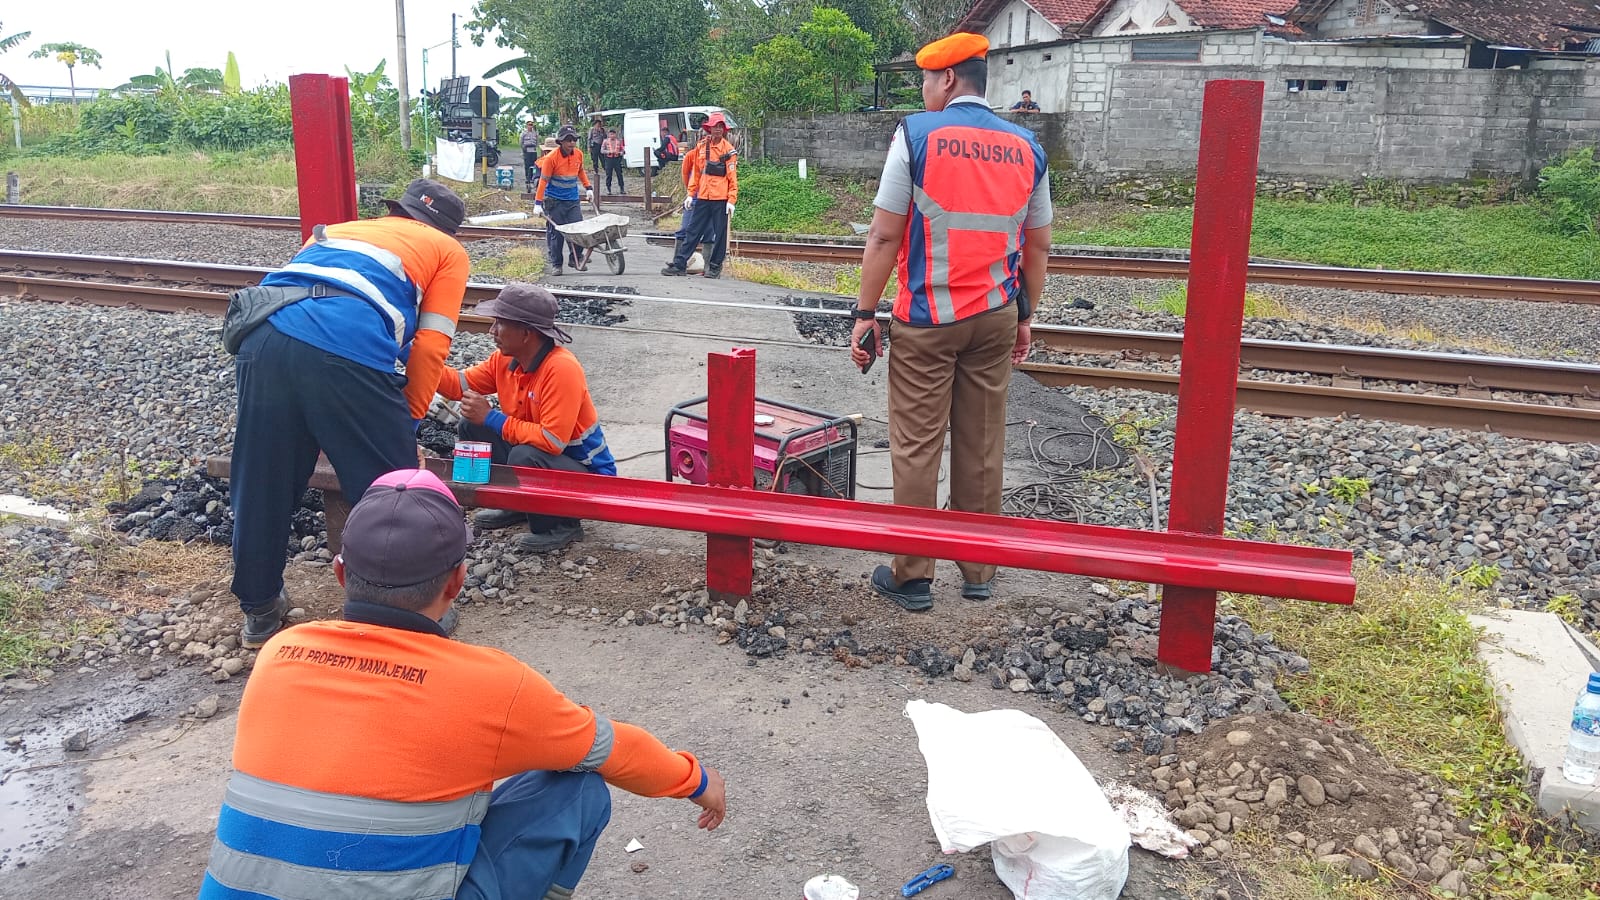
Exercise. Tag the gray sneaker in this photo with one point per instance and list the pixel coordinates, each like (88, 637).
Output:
(489, 519)
(552, 540)
(264, 622)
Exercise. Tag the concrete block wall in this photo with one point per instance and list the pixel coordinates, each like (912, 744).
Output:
(1355, 18)
(856, 143)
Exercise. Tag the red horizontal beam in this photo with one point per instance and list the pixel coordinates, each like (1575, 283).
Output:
(1192, 560)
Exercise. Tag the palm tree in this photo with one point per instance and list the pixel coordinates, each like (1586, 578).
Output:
(71, 54)
(6, 84)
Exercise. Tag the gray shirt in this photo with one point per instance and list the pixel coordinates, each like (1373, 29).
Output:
(530, 140)
(894, 185)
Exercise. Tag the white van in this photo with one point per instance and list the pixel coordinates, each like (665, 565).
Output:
(641, 128)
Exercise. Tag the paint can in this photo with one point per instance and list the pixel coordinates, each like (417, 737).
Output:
(471, 465)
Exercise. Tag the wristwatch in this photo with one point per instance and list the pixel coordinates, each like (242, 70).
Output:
(859, 313)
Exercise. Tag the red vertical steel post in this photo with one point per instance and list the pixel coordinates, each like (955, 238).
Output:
(324, 157)
(731, 439)
(1219, 255)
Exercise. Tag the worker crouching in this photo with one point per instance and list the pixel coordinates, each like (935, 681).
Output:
(546, 419)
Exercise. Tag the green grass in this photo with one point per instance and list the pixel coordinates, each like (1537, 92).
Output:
(262, 183)
(517, 264)
(1400, 668)
(1509, 239)
(775, 199)
(21, 609)
(1175, 302)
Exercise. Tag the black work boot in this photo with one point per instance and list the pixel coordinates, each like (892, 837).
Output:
(671, 269)
(264, 622)
(914, 595)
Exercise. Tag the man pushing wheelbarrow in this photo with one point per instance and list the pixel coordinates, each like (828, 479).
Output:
(561, 172)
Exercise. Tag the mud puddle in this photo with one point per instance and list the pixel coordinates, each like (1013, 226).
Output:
(40, 778)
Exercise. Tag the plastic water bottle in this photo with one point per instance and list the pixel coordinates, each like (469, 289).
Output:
(1583, 743)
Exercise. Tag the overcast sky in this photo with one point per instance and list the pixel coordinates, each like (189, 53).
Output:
(271, 40)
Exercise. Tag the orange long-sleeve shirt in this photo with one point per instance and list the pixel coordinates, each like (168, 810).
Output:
(549, 408)
(371, 711)
(561, 175)
(714, 187)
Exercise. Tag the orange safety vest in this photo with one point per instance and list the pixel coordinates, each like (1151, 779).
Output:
(973, 175)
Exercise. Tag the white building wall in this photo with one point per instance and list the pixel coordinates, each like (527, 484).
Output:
(1018, 24)
(1293, 53)
(1141, 16)
(1366, 18)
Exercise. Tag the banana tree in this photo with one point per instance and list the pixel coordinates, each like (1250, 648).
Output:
(10, 42)
(69, 54)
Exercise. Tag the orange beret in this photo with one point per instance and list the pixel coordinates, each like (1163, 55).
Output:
(953, 50)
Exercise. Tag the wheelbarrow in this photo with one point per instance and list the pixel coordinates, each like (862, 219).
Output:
(603, 233)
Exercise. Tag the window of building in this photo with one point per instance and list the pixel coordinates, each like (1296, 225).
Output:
(1047, 57)
(1027, 27)
(1011, 24)
(1010, 60)
(1317, 84)
(1339, 87)
(1295, 85)
(1167, 50)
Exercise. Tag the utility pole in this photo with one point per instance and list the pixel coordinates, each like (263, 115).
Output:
(400, 75)
(452, 45)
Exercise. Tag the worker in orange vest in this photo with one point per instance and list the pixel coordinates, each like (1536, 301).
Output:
(562, 171)
(713, 173)
(963, 209)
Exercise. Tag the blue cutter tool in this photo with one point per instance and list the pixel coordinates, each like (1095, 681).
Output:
(927, 879)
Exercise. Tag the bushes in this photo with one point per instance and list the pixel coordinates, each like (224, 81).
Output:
(1572, 186)
(772, 199)
(143, 124)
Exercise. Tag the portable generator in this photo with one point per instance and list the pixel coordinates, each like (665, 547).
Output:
(797, 450)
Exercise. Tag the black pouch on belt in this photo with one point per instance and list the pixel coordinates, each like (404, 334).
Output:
(249, 307)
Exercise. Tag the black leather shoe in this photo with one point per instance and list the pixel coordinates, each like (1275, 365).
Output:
(264, 622)
(673, 270)
(489, 519)
(915, 595)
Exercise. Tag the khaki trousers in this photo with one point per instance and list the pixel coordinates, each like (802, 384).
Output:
(953, 375)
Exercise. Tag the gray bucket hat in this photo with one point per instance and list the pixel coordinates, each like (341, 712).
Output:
(429, 201)
(527, 304)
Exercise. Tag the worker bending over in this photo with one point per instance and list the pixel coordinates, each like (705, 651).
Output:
(366, 749)
(546, 418)
(319, 375)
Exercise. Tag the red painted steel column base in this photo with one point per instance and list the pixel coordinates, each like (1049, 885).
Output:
(730, 430)
(324, 154)
(1208, 377)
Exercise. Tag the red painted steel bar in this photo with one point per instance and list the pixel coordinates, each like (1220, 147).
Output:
(1191, 560)
(730, 429)
(1224, 203)
(324, 156)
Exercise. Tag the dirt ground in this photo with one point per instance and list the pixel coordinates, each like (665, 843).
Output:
(823, 769)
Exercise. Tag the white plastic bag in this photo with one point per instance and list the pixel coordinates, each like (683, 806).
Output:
(1003, 776)
(454, 161)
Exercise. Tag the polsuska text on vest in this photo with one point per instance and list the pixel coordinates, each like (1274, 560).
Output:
(975, 150)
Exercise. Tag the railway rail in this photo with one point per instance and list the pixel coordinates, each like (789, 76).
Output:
(281, 223)
(72, 279)
(1443, 284)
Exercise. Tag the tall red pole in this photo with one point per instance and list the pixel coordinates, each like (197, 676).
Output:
(730, 430)
(324, 154)
(1208, 381)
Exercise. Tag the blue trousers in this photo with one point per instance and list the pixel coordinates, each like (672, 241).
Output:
(540, 832)
(560, 212)
(295, 400)
(707, 222)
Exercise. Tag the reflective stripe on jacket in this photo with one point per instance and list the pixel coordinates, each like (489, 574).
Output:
(402, 283)
(562, 175)
(972, 176)
(287, 842)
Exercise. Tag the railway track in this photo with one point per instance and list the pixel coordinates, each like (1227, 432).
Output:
(71, 279)
(1443, 284)
(280, 223)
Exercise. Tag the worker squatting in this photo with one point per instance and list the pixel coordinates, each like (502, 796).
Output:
(363, 664)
